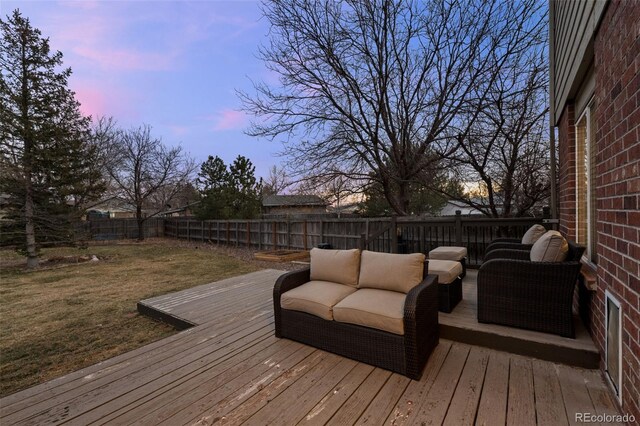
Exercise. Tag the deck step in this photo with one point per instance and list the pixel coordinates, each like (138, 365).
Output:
(461, 325)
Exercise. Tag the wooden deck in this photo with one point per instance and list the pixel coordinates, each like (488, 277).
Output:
(230, 369)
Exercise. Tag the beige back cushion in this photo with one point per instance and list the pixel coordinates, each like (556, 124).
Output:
(338, 266)
(551, 247)
(395, 272)
(533, 234)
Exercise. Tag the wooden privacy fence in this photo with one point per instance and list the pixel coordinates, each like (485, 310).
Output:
(392, 235)
(292, 234)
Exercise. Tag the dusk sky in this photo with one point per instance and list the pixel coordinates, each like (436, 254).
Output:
(172, 64)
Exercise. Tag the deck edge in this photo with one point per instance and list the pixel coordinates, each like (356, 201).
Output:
(545, 351)
(156, 314)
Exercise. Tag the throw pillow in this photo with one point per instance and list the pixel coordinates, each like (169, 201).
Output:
(551, 247)
(533, 234)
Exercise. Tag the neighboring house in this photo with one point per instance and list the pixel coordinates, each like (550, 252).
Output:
(349, 209)
(450, 208)
(595, 103)
(293, 204)
(114, 208)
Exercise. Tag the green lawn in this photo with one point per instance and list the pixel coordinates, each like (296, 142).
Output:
(64, 317)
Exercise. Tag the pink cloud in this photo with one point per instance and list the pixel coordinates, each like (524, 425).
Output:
(87, 35)
(98, 98)
(229, 119)
(92, 101)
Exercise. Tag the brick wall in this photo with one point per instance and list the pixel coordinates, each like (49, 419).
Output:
(567, 173)
(617, 95)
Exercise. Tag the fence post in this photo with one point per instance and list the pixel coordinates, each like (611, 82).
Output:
(394, 234)
(228, 236)
(275, 237)
(321, 231)
(363, 242)
(304, 235)
(458, 228)
(260, 235)
(288, 233)
(248, 234)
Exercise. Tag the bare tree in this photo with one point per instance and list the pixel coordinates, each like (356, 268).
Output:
(506, 150)
(276, 182)
(144, 170)
(333, 188)
(369, 89)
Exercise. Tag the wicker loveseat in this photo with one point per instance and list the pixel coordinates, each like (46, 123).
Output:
(343, 307)
(536, 295)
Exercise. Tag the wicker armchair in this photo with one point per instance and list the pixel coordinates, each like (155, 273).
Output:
(405, 354)
(531, 235)
(506, 243)
(516, 292)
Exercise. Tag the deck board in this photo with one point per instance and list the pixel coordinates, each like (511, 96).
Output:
(492, 409)
(549, 400)
(464, 404)
(521, 409)
(231, 369)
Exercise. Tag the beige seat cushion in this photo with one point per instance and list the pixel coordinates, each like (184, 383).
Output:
(533, 234)
(380, 309)
(338, 266)
(448, 253)
(446, 270)
(315, 297)
(551, 247)
(395, 272)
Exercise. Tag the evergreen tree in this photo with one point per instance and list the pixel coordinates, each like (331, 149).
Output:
(228, 192)
(214, 184)
(423, 201)
(247, 190)
(45, 150)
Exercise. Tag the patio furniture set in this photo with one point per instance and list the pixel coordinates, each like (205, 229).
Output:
(382, 309)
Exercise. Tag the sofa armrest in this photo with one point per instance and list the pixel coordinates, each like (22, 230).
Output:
(283, 284)
(291, 280)
(507, 245)
(507, 254)
(421, 320)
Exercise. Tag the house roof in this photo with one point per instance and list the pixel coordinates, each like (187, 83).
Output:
(292, 200)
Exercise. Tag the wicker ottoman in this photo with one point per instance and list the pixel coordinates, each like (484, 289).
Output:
(449, 283)
(459, 254)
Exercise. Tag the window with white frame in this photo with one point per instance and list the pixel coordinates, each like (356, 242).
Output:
(585, 184)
